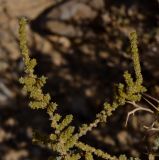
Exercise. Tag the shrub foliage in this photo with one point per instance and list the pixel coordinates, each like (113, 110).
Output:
(63, 140)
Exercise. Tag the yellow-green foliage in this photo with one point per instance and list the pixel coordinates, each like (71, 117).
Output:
(63, 140)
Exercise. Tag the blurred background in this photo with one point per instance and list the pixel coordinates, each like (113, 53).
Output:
(82, 46)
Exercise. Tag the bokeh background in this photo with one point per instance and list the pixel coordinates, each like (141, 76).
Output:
(82, 46)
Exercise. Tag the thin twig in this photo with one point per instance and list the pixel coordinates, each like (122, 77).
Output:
(151, 104)
(147, 95)
(151, 128)
(138, 108)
